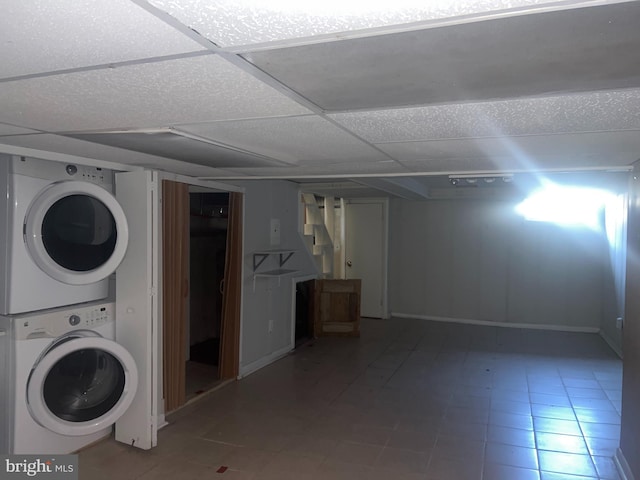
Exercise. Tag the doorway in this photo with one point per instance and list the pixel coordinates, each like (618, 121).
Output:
(208, 224)
(365, 230)
(201, 289)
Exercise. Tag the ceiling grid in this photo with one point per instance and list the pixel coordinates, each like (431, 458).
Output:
(284, 89)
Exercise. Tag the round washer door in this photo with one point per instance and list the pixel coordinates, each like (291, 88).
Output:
(76, 232)
(81, 384)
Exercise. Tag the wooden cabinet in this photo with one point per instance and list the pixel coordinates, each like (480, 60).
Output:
(336, 308)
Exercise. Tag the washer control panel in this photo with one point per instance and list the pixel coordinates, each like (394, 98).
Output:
(60, 321)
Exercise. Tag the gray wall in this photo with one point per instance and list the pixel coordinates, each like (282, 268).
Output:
(479, 260)
(273, 298)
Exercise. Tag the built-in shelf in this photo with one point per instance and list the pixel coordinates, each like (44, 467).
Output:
(283, 257)
(275, 273)
(260, 256)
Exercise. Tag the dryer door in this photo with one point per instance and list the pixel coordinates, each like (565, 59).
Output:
(81, 384)
(76, 232)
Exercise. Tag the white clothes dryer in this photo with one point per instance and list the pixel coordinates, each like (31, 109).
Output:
(67, 380)
(62, 233)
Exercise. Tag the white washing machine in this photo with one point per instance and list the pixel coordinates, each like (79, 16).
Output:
(62, 233)
(66, 381)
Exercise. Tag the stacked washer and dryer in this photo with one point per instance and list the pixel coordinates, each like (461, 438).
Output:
(64, 380)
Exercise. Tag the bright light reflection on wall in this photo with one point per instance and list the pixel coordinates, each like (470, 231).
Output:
(566, 205)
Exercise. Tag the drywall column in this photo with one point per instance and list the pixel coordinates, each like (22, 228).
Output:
(267, 309)
(630, 424)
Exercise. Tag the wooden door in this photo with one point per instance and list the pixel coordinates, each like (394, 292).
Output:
(337, 307)
(175, 274)
(232, 293)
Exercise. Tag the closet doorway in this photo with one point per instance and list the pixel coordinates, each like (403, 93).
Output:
(202, 242)
(208, 224)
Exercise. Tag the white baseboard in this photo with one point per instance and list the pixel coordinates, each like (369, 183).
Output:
(264, 361)
(537, 326)
(614, 345)
(622, 466)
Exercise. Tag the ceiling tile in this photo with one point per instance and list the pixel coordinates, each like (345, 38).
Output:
(586, 112)
(40, 35)
(244, 22)
(301, 140)
(566, 51)
(198, 89)
(520, 153)
(594, 143)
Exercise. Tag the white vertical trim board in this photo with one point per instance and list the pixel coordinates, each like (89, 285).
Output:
(157, 354)
(241, 326)
(622, 466)
(137, 305)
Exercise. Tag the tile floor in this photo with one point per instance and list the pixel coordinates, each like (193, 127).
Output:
(410, 399)
(199, 377)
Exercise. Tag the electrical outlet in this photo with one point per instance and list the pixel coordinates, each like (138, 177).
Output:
(619, 323)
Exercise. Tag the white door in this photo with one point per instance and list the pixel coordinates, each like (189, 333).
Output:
(137, 313)
(365, 252)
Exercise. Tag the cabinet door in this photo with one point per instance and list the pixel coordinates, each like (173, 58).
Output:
(337, 307)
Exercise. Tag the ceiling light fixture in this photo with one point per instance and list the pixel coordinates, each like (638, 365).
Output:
(173, 135)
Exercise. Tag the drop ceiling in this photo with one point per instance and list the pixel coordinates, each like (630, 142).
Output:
(326, 92)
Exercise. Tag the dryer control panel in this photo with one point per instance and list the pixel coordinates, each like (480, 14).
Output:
(57, 322)
(55, 171)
